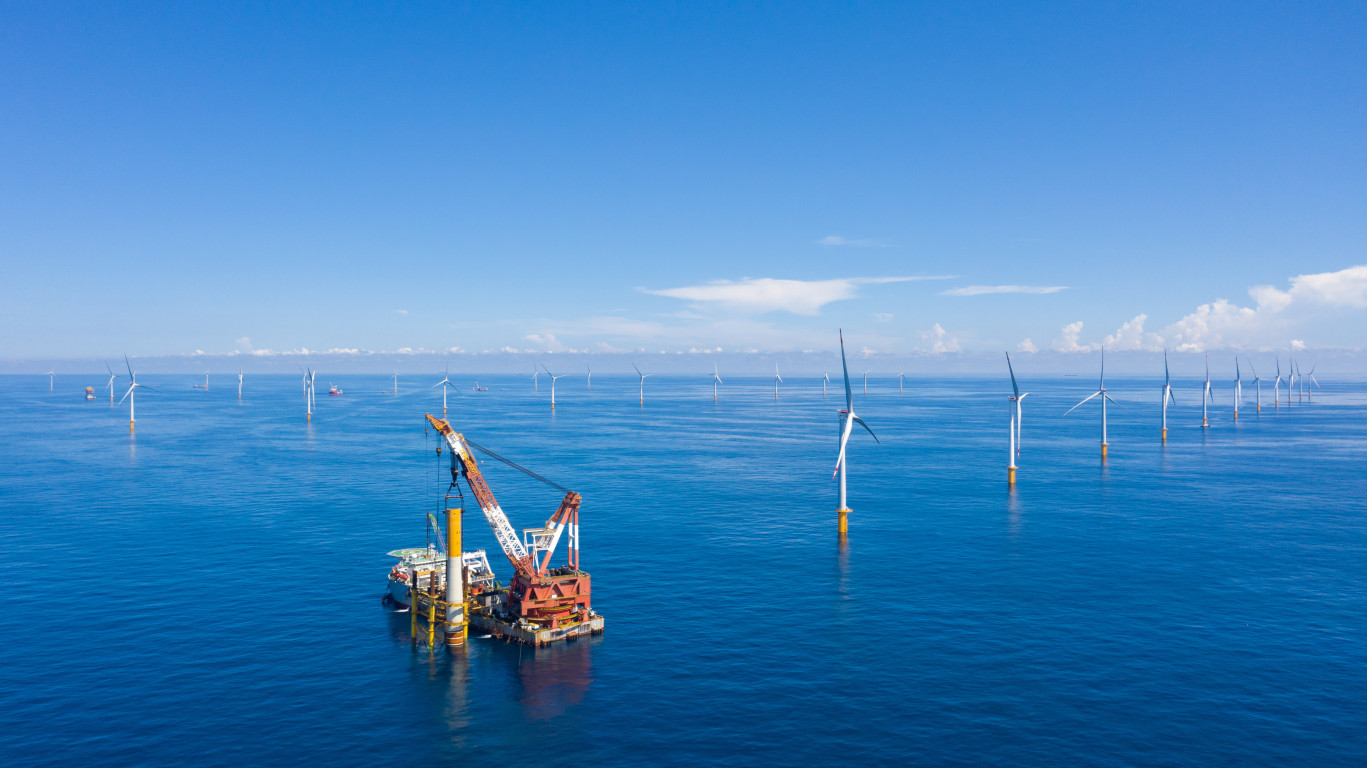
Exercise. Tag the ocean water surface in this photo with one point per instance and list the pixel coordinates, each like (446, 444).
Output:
(206, 592)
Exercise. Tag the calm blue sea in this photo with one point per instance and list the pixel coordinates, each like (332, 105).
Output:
(207, 593)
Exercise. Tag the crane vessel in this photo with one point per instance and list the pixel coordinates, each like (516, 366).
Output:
(542, 604)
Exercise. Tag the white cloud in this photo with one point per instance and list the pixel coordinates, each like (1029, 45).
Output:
(941, 341)
(883, 317)
(1129, 336)
(1067, 341)
(549, 341)
(401, 311)
(979, 290)
(767, 294)
(1297, 345)
(244, 344)
(1027, 346)
(858, 242)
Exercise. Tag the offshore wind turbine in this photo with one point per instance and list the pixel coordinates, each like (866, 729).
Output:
(1015, 432)
(825, 379)
(129, 396)
(553, 378)
(51, 378)
(1300, 386)
(1101, 390)
(866, 373)
(1206, 394)
(643, 382)
(1310, 388)
(206, 381)
(1238, 388)
(901, 376)
(1167, 394)
(590, 377)
(535, 387)
(1277, 386)
(239, 383)
(777, 380)
(308, 393)
(1258, 382)
(110, 385)
(716, 379)
(396, 382)
(1291, 379)
(848, 424)
(445, 383)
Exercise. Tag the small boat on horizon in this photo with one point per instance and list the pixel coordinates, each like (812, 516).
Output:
(90, 393)
(333, 390)
(478, 388)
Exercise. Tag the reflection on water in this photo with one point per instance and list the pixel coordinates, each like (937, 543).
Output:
(555, 677)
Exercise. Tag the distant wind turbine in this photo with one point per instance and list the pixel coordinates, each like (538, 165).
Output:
(1277, 386)
(396, 382)
(1292, 378)
(1101, 391)
(1238, 387)
(553, 379)
(643, 382)
(1207, 397)
(110, 385)
(901, 377)
(51, 378)
(1310, 388)
(308, 393)
(777, 380)
(849, 421)
(1015, 419)
(1167, 394)
(1258, 383)
(129, 396)
(825, 379)
(239, 383)
(536, 387)
(866, 373)
(590, 377)
(716, 379)
(445, 384)
(1300, 385)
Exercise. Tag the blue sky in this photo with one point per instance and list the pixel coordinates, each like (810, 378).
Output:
(610, 178)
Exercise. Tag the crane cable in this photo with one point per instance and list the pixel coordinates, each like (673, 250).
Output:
(517, 466)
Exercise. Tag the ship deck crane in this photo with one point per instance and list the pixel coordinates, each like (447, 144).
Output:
(537, 591)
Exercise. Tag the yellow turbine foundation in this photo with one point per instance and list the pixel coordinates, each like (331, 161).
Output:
(842, 524)
(130, 426)
(1104, 446)
(1165, 434)
(455, 636)
(1010, 475)
(1204, 423)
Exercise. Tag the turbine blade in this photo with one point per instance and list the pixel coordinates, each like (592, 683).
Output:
(849, 393)
(638, 370)
(1113, 402)
(861, 423)
(844, 440)
(1167, 377)
(130, 366)
(1014, 388)
(1085, 399)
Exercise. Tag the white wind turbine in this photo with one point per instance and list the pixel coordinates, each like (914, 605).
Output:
(553, 378)
(777, 380)
(901, 377)
(110, 385)
(590, 377)
(239, 383)
(1257, 382)
(51, 378)
(825, 379)
(396, 382)
(308, 393)
(848, 424)
(716, 379)
(206, 381)
(866, 373)
(1015, 419)
(1207, 397)
(1310, 388)
(1238, 387)
(1101, 390)
(129, 396)
(1277, 386)
(1291, 378)
(445, 384)
(1167, 394)
(535, 387)
(643, 382)
(1300, 386)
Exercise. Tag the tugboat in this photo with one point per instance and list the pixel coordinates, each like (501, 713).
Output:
(333, 390)
(90, 393)
(478, 388)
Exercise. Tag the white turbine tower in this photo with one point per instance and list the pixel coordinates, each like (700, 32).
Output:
(129, 396)
(1238, 387)
(1277, 386)
(1258, 383)
(1300, 386)
(445, 384)
(590, 377)
(1292, 378)
(308, 393)
(535, 386)
(1101, 390)
(239, 383)
(110, 385)
(901, 377)
(1310, 388)
(1207, 397)
(825, 379)
(1167, 394)
(51, 378)
(206, 381)
(396, 382)
(777, 380)
(716, 379)
(553, 378)
(866, 373)
(1015, 419)
(849, 421)
(643, 382)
